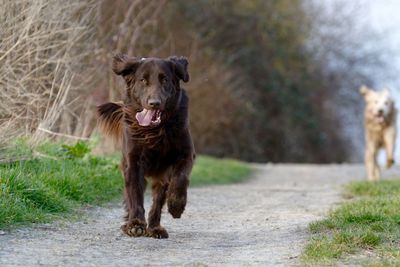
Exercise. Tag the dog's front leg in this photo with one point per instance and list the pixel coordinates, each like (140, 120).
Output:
(377, 170)
(134, 190)
(177, 190)
(159, 191)
(389, 138)
(370, 162)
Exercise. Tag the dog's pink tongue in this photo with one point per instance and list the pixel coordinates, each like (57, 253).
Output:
(144, 117)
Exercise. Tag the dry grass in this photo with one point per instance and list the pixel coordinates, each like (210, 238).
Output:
(44, 45)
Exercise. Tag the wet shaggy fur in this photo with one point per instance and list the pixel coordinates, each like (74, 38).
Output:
(162, 152)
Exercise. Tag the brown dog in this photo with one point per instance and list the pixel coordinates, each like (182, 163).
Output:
(153, 123)
(380, 129)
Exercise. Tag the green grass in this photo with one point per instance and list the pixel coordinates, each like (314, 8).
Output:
(43, 189)
(368, 222)
(208, 171)
(68, 177)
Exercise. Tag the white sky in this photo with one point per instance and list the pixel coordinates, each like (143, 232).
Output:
(384, 16)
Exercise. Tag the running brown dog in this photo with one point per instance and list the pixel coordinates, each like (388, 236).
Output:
(153, 123)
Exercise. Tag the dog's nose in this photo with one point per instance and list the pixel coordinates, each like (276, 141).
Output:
(154, 103)
(380, 111)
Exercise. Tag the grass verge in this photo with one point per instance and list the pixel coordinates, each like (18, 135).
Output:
(67, 177)
(211, 171)
(368, 225)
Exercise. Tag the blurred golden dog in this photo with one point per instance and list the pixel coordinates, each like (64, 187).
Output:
(380, 129)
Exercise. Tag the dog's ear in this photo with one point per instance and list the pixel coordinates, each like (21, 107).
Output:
(124, 65)
(386, 91)
(180, 66)
(364, 90)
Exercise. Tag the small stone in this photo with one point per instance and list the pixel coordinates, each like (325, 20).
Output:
(2, 233)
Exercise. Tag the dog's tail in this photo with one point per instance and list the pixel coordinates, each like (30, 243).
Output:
(110, 119)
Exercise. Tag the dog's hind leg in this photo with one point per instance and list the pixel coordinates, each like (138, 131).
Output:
(389, 138)
(159, 191)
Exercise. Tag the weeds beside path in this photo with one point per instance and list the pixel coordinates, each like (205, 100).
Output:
(46, 188)
(367, 226)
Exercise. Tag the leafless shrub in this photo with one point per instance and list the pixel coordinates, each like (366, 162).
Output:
(43, 71)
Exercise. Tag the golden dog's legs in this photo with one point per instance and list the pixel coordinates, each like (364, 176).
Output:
(377, 171)
(373, 172)
(389, 138)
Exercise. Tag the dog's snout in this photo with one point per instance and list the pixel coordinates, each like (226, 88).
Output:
(380, 111)
(154, 103)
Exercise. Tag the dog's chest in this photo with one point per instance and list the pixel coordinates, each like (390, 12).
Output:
(375, 133)
(168, 152)
(155, 162)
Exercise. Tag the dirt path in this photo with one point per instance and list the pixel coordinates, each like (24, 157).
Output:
(259, 223)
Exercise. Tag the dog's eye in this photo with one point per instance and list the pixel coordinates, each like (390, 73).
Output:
(164, 80)
(143, 80)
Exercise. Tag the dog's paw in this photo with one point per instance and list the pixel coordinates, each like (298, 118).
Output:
(158, 232)
(389, 163)
(176, 206)
(134, 228)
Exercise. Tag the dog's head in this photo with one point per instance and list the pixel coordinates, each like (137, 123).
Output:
(152, 84)
(379, 104)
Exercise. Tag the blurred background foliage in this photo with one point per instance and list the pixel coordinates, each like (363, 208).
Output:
(270, 80)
